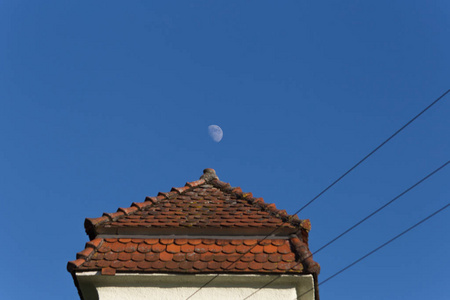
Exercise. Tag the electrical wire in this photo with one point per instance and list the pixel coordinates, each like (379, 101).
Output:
(378, 248)
(372, 152)
(331, 185)
(355, 225)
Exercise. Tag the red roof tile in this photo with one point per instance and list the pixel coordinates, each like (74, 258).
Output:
(199, 204)
(209, 255)
(172, 235)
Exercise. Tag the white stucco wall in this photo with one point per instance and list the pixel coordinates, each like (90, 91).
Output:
(172, 286)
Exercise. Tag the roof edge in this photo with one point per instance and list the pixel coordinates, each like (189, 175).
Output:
(84, 255)
(90, 224)
(261, 204)
(305, 256)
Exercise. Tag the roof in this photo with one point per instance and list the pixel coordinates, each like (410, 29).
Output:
(189, 256)
(198, 206)
(207, 226)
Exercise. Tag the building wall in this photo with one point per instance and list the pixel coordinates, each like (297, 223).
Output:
(172, 286)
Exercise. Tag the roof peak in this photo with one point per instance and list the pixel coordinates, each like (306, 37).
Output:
(164, 212)
(209, 175)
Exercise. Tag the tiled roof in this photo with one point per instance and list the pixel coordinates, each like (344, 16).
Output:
(113, 255)
(199, 204)
(203, 227)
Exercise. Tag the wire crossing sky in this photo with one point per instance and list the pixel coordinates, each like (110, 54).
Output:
(103, 104)
(357, 224)
(336, 181)
(372, 152)
(379, 247)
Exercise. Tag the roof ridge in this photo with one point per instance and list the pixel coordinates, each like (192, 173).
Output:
(211, 178)
(91, 223)
(261, 204)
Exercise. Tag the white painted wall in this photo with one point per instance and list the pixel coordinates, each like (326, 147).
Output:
(172, 287)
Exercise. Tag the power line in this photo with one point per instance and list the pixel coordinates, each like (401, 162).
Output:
(378, 248)
(382, 207)
(329, 186)
(372, 152)
(356, 225)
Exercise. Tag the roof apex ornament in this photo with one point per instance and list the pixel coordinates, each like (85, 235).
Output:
(209, 174)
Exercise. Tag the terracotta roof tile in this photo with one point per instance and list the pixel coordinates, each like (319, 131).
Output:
(153, 256)
(117, 264)
(157, 248)
(274, 258)
(199, 204)
(151, 241)
(118, 247)
(128, 264)
(137, 256)
(179, 232)
(144, 248)
(124, 256)
(85, 253)
(95, 243)
(167, 256)
(111, 256)
(172, 248)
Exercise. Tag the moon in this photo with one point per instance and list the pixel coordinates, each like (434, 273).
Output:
(215, 132)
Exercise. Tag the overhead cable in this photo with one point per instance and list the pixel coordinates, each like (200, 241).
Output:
(378, 248)
(331, 185)
(355, 225)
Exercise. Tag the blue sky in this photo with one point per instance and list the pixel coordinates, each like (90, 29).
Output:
(104, 103)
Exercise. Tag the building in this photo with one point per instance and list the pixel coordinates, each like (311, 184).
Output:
(206, 239)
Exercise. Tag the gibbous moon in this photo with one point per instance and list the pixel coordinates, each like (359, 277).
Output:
(215, 132)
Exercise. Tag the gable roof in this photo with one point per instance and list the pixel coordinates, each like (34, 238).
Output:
(200, 207)
(207, 226)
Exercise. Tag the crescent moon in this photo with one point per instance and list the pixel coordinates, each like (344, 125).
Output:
(215, 132)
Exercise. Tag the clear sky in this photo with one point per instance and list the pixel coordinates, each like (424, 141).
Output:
(105, 102)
